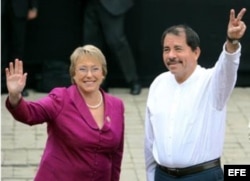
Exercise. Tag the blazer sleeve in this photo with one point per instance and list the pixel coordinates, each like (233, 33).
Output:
(36, 112)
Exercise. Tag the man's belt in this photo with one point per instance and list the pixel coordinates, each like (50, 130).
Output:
(178, 172)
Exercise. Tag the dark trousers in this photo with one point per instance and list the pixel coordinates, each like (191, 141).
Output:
(13, 35)
(101, 28)
(213, 174)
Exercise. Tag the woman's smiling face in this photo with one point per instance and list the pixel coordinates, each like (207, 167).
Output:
(88, 73)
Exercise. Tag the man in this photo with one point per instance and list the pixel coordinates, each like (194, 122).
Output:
(186, 106)
(14, 16)
(104, 25)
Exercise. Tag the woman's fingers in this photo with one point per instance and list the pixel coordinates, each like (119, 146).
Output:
(20, 67)
(11, 68)
(16, 67)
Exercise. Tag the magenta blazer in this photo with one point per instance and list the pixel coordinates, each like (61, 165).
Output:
(76, 149)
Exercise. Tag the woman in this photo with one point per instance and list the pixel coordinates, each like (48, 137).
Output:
(85, 124)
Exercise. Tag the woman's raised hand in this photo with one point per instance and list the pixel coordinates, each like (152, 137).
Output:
(15, 78)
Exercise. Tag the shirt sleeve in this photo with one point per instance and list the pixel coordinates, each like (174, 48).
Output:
(225, 76)
(148, 148)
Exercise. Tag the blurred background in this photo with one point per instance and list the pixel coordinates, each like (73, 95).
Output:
(57, 31)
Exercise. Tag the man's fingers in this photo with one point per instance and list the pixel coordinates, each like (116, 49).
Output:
(232, 15)
(241, 14)
(233, 18)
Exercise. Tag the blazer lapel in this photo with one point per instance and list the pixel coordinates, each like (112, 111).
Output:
(81, 106)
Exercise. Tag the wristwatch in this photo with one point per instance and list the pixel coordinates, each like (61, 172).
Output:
(233, 41)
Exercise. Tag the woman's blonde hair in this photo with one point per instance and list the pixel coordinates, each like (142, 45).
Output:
(87, 50)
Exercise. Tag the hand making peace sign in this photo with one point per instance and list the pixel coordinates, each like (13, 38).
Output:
(236, 27)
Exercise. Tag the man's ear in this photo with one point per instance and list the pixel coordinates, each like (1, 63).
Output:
(197, 53)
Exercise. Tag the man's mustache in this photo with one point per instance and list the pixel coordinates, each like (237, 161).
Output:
(173, 61)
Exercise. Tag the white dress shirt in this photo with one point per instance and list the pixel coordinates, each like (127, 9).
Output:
(185, 123)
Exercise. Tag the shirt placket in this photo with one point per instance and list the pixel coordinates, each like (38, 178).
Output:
(171, 122)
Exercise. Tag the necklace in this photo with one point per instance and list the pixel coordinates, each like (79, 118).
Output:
(97, 105)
